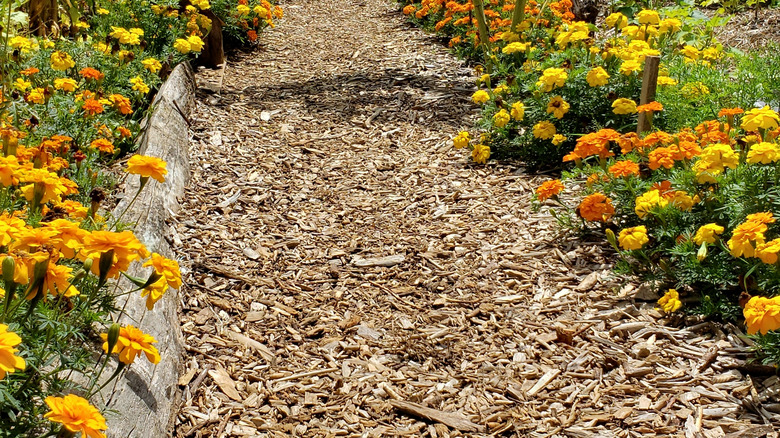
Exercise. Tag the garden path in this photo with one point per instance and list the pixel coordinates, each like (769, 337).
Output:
(326, 153)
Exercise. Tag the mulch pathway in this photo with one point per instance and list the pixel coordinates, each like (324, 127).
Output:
(347, 273)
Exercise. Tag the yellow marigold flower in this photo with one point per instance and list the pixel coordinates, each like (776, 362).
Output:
(9, 362)
(767, 252)
(22, 85)
(670, 302)
(558, 139)
(76, 415)
(102, 11)
(616, 20)
(623, 106)
(480, 153)
(9, 173)
(694, 90)
(708, 233)
(201, 4)
(548, 189)
(515, 48)
(552, 78)
(61, 61)
(36, 95)
(182, 46)
(510, 37)
(131, 37)
(647, 202)
(558, 107)
(500, 89)
(139, 85)
(152, 65)
(480, 96)
(518, 111)
(647, 16)
(690, 52)
(763, 153)
(633, 238)
(501, 118)
(630, 66)
(65, 84)
(243, 9)
(147, 167)
(714, 159)
(743, 236)
(597, 77)
(762, 314)
(682, 200)
(669, 25)
(461, 140)
(596, 207)
(544, 130)
(195, 42)
(760, 118)
(666, 81)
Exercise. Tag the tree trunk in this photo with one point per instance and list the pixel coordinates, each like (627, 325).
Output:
(43, 16)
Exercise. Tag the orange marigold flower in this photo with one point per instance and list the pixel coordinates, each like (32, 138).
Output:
(725, 112)
(661, 157)
(652, 106)
(102, 145)
(132, 343)
(596, 207)
(549, 189)
(76, 415)
(658, 137)
(762, 314)
(9, 362)
(92, 107)
(251, 35)
(121, 103)
(124, 132)
(29, 71)
(91, 73)
(596, 143)
(624, 168)
(629, 142)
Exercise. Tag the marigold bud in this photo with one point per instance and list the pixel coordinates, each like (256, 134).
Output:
(113, 337)
(9, 266)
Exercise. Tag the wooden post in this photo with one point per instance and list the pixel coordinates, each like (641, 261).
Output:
(649, 85)
(479, 14)
(518, 16)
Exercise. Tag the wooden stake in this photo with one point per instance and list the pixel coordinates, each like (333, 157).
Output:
(484, 36)
(649, 85)
(519, 15)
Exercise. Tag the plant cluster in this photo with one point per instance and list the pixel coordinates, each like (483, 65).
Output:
(72, 101)
(692, 212)
(243, 22)
(548, 79)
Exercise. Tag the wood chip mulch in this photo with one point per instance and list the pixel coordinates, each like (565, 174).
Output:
(349, 274)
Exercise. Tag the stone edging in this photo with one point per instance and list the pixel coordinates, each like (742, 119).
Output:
(142, 403)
